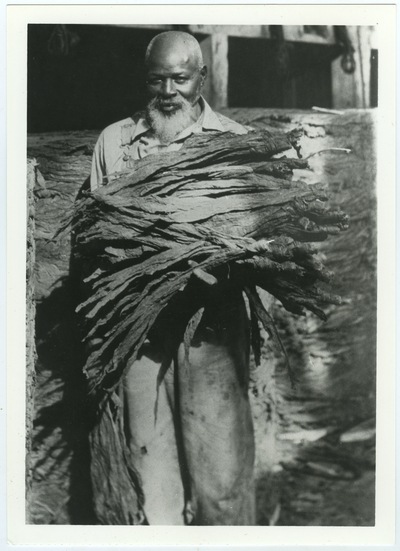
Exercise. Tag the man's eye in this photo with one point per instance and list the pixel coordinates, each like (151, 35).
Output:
(154, 82)
(181, 80)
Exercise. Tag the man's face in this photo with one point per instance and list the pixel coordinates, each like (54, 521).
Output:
(172, 77)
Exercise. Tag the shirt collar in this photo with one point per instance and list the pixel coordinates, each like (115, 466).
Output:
(208, 120)
(141, 127)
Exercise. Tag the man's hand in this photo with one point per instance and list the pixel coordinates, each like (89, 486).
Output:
(202, 275)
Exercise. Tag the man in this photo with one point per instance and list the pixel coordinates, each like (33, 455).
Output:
(188, 422)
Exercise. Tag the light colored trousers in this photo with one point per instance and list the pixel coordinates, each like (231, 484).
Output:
(191, 437)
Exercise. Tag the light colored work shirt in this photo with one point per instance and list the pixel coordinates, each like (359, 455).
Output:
(126, 141)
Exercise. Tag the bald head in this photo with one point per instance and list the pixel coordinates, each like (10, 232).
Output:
(175, 75)
(175, 43)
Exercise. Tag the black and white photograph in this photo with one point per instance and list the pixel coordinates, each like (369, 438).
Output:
(201, 273)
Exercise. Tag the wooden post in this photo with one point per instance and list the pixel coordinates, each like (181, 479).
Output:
(353, 90)
(215, 54)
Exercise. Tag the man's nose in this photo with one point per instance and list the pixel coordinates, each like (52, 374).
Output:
(168, 88)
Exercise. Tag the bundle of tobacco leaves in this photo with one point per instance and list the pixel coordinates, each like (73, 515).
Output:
(222, 200)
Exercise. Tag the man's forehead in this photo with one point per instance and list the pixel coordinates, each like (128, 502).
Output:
(172, 56)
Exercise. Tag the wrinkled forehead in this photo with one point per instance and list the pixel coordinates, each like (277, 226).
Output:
(171, 58)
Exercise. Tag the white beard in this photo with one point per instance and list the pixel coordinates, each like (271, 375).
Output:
(166, 126)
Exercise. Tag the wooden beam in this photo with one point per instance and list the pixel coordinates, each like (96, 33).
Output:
(313, 35)
(292, 33)
(249, 31)
(215, 54)
(353, 90)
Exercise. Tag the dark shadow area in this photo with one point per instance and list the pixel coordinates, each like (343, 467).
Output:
(86, 78)
(63, 405)
(60, 352)
(274, 73)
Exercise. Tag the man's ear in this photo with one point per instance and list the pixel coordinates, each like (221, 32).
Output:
(203, 73)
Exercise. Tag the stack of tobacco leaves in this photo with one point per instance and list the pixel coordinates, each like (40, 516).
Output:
(223, 199)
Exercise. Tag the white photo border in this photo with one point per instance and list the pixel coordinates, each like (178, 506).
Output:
(18, 17)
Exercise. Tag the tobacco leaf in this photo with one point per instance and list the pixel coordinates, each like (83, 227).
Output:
(222, 200)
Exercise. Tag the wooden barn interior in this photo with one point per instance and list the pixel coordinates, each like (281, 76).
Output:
(315, 461)
(83, 77)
